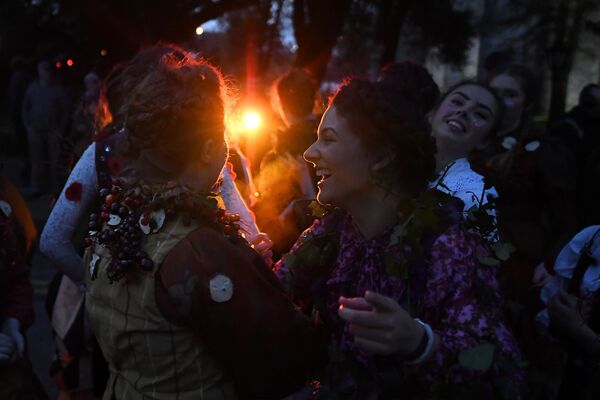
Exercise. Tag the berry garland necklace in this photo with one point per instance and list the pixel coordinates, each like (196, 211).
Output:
(130, 212)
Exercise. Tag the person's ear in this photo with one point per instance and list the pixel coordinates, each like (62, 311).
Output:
(384, 159)
(429, 117)
(207, 150)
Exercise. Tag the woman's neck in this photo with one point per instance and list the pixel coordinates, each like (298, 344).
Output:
(447, 154)
(374, 213)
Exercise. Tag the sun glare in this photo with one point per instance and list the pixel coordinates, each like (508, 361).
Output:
(252, 120)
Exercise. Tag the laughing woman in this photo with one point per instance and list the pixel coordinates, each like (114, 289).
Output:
(465, 119)
(390, 270)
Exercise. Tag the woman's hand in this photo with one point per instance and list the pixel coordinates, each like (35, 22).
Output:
(11, 327)
(262, 243)
(565, 316)
(380, 325)
(540, 275)
(8, 350)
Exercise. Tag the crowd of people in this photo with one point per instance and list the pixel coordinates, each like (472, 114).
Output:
(406, 243)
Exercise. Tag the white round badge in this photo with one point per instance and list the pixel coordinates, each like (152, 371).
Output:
(221, 288)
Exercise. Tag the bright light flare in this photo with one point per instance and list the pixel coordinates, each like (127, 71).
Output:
(70, 62)
(246, 124)
(251, 120)
(199, 30)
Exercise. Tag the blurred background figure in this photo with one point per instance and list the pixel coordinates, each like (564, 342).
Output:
(17, 381)
(579, 133)
(572, 315)
(20, 79)
(286, 183)
(91, 113)
(45, 115)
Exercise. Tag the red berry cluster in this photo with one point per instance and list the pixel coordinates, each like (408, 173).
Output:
(128, 208)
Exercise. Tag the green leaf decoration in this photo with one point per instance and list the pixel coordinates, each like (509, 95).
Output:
(490, 261)
(503, 250)
(290, 260)
(479, 357)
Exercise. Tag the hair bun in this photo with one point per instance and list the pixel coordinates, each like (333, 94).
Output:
(384, 118)
(412, 82)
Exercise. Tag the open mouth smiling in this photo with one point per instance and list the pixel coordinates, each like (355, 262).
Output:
(323, 173)
(456, 126)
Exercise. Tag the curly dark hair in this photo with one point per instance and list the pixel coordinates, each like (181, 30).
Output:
(296, 91)
(168, 116)
(383, 118)
(124, 76)
(413, 82)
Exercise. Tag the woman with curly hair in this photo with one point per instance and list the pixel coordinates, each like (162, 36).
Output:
(75, 372)
(391, 270)
(163, 258)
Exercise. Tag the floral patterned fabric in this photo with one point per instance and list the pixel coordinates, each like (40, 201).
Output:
(459, 298)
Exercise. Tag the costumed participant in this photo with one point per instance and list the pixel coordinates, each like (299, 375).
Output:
(579, 133)
(460, 121)
(392, 271)
(16, 310)
(573, 313)
(25, 227)
(464, 118)
(286, 183)
(535, 208)
(533, 176)
(182, 306)
(78, 366)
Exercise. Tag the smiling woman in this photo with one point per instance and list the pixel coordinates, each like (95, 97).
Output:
(391, 271)
(466, 116)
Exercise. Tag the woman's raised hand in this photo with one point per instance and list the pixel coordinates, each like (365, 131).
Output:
(380, 325)
(262, 243)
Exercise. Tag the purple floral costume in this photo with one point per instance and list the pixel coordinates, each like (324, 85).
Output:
(457, 296)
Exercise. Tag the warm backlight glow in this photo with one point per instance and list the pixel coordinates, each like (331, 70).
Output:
(252, 120)
(70, 62)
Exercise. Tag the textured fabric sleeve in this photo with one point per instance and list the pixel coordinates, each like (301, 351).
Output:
(55, 241)
(235, 204)
(462, 305)
(223, 291)
(16, 296)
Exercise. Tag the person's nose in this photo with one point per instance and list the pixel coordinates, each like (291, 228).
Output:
(312, 153)
(461, 111)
